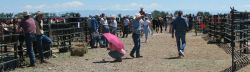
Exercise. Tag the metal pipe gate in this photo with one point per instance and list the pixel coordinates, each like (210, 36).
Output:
(232, 31)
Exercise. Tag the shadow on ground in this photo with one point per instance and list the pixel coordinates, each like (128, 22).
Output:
(173, 57)
(104, 61)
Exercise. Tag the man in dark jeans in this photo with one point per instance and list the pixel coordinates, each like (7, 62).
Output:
(160, 23)
(136, 28)
(94, 32)
(29, 27)
(126, 27)
(179, 27)
(43, 42)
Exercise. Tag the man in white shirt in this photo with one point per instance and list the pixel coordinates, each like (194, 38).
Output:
(105, 29)
(113, 26)
(104, 23)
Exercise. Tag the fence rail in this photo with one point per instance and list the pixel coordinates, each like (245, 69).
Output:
(12, 49)
(232, 29)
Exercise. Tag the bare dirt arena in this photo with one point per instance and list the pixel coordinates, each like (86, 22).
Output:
(159, 55)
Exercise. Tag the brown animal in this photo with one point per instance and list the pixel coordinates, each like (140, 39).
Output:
(78, 50)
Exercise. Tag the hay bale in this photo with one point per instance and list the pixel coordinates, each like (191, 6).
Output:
(78, 50)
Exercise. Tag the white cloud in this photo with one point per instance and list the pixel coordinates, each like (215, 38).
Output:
(28, 6)
(133, 4)
(41, 6)
(146, 6)
(136, 5)
(34, 7)
(72, 4)
(154, 5)
(117, 6)
(57, 6)
(246, 5)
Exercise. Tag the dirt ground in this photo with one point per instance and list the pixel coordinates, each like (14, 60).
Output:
(159, 55)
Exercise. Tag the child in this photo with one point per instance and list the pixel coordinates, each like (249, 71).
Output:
(116, 53)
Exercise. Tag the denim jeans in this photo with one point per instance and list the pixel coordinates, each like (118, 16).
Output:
(42, 41)
(137, 44)
(125, 32)
(180, 40)
(113, 30)
(46, 40)
(146, 31)
(94, 39)
(105, 28)
(116, 55)
(29, 39)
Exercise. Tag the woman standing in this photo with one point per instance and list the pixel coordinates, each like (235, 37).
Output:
(146, 28)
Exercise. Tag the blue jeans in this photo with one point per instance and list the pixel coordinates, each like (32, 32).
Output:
(114, 30)
(43, 41)
(29, 39)
(105, 29)
(116, 55)
(125, 31)
(137, 44)
(94, 39)
(146, 31)
(180, 40)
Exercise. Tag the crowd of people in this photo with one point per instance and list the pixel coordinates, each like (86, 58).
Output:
(139, 25)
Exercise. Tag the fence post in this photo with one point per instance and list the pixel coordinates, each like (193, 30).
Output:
(232, 39)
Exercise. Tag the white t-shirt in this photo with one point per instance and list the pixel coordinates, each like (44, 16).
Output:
(141, 24)
(114, 23)
(104, 21)
(146, 23)
(126, 21)
(42, 27)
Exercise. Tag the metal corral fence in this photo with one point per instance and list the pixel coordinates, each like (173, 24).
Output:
(63, 33)
(232, 32)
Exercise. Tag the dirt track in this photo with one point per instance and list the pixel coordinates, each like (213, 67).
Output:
(159, 56)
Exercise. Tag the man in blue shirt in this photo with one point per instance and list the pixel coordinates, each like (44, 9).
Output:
(180, 26)
(136, 29)
(94, 32)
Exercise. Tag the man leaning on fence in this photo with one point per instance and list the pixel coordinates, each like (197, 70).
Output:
(42, 40)
(29, 27)
(180, 26)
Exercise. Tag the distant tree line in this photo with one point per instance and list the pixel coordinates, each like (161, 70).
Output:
(157, 13)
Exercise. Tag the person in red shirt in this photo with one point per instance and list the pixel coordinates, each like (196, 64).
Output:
(29, 27)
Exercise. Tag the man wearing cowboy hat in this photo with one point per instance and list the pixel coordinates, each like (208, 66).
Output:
(29, 27)
(43, 42)
(136, 29)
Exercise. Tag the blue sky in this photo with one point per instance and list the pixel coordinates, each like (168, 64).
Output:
(122, 5)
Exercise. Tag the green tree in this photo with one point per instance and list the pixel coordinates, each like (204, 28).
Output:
(206, 13)
(156, 14)
(200, 13)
